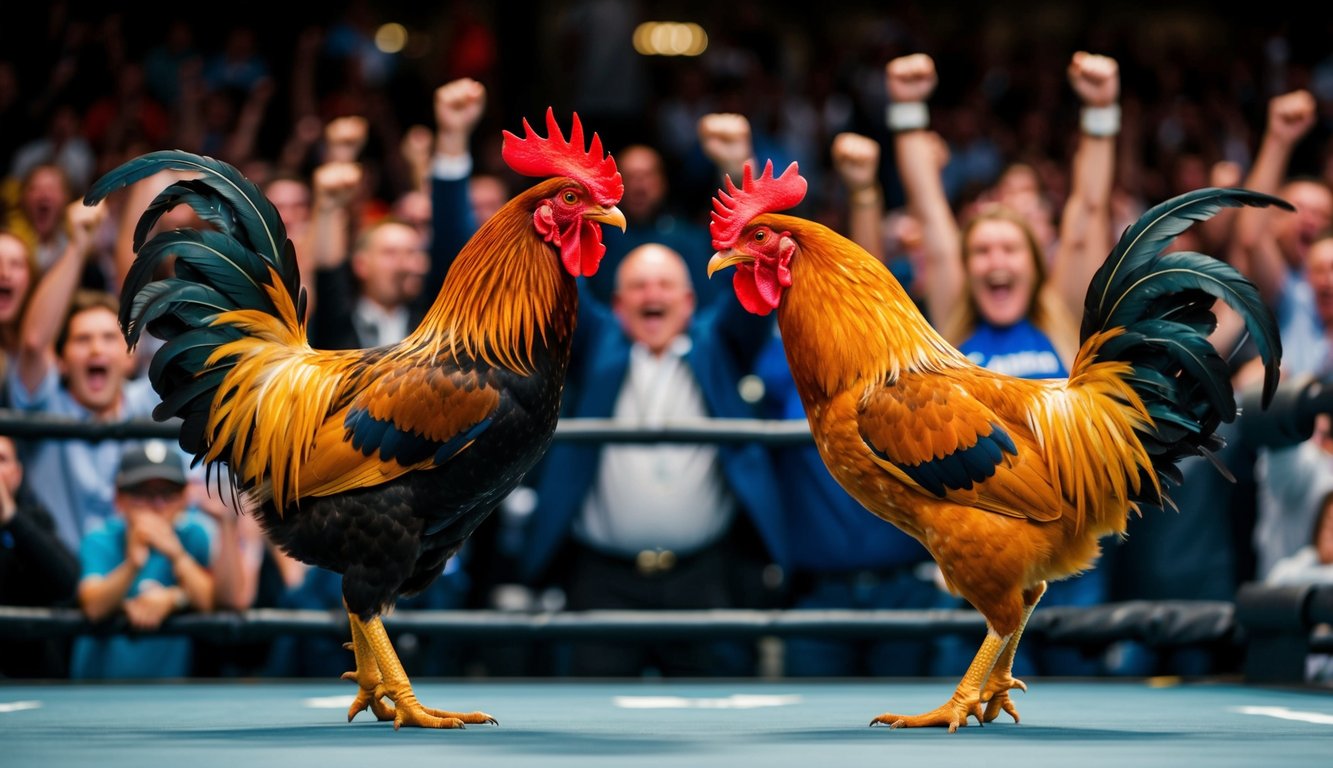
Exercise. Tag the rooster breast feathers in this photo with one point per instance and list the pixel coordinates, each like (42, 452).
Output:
(289, 420)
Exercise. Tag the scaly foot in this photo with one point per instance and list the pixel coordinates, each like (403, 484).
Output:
(952, 714)
(370, 689)
(996, 697)
(390, 682)
(409, 711)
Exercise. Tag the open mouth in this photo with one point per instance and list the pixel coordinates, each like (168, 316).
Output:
(999, 290)
(98, 377)
(652, 319)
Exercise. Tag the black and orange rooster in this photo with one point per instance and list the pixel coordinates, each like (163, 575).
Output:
(1007, 482)
(375, 463)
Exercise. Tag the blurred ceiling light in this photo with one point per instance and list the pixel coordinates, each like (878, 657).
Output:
(391, 37)
(670, 38)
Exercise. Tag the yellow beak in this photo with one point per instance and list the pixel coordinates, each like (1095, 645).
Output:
(611, 216)
(724, 259)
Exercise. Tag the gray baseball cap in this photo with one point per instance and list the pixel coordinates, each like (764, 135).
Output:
(149, 460)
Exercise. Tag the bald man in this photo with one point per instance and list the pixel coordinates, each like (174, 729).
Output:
(658, 526)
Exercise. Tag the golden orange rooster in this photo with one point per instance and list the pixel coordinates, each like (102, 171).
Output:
(376, 463)
(1007, 482)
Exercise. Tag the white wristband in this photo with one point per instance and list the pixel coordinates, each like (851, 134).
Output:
(451, 167)
(907, 116)
(1100, 121)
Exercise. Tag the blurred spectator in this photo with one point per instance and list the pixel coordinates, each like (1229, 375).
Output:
(291, 195)
(389, 262)
(658, 526)
(16, 278)
(1291, 480)
(44, 191)
(36, 570)
(372, 296)
(72, 362)
(336, 214)
(441, 168)
(988, 290)
(1271, 245)
(487, 193)
(651, 220)
(148, 561)
(1313, 562)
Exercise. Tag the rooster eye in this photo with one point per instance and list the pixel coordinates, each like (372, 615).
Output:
(759, 235)
(570, 198)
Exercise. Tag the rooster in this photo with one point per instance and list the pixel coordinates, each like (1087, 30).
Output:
(1008, 482)
(376, 463)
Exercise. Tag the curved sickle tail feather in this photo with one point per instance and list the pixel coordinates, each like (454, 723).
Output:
(244, 265)
(1154, 312)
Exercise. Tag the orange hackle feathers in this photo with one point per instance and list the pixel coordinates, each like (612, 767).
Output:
(505, 311)
(533, 155)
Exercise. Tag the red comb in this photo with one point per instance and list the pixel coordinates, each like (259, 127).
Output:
(733, 209)
(553, 156)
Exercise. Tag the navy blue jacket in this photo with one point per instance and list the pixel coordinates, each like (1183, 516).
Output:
(726, 341)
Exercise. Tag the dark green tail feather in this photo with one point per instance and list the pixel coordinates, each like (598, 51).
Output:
(222, 268)
(1163, 303)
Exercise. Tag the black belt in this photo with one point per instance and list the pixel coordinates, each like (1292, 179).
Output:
(648, 562)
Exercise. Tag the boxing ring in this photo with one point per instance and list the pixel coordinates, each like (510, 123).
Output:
(632, 723)
(1266, 715)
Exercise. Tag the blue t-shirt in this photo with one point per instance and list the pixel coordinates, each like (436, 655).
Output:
(1020, 350)
(130, 657)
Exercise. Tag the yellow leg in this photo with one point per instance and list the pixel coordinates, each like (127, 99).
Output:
(395, 685)
(966, 697)
(367, 676)
(995, 694)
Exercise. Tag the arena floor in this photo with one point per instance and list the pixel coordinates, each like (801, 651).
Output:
(1072, 724)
